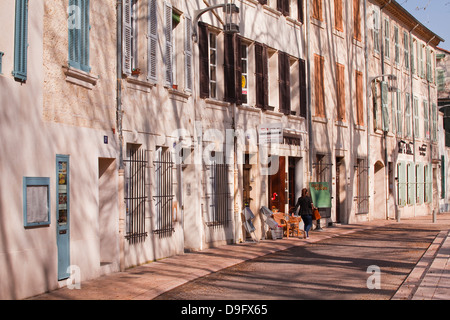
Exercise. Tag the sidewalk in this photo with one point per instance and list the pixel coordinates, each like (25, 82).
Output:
(430, 279)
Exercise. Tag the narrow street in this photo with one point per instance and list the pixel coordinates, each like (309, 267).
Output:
(335, 268)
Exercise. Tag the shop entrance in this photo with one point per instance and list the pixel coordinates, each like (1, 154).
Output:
(277, 187)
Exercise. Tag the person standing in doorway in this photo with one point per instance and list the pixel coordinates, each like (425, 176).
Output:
(306, 206)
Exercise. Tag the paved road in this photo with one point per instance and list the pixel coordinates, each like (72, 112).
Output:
(334, 268)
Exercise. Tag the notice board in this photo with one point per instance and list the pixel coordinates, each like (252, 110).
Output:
(320, 194)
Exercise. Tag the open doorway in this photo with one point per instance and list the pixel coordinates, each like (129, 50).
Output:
(379, 192)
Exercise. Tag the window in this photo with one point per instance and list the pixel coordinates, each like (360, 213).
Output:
(283, 7)
(319, 90)
(406, 49)
(427, 182)
(317, 11)
(340, 94)
(244, 71)
(408, 131)
(419, 183)
(164, 192)
(134, 34)
(357, 19)
(416, 117)
(384, 106)
(79, 34)
(377, 108)
(217, 191)
(36, 201)
(303, 88)
(376, 31)
(387, 40)
(135, 193)
(168, 44)
(362, 185)
(20, 41)
(413, 57)
(421, 62)
(212, 65)
(338, 18)
(359, 98)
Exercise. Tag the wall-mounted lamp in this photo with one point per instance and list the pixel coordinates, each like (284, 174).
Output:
(232, 18)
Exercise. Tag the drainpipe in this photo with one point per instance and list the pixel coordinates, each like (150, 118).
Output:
(412, 109)
(121, 194)
(430, 128)
(308, 102)
(368, 86)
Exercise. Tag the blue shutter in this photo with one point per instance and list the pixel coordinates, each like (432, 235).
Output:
(79, 34)
(21, 40)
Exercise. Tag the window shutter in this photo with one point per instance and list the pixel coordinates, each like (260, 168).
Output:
(168, 55)
(435, 122)
(188, 53)
(284, 82)
(338, 20)
(230, 86)
(411, 183)
(262, 83)
(126, 11)
(416, 118)
(408, 115)
(300, 10)
(303, 88)
(357, 19)
(384, 105)
(419, 181)
(401, 183)
(426, 120)
(21, 40)
(443, 177)
(152, 40)
(319, 91)
(340, 94)
(238, 68)
(262, 1)
(429, 75)
(413, 57)
(204, 61)
(360, 98)
(399, 115)
(85, 27)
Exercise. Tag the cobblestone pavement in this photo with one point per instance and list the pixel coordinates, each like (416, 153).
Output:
(341, 267)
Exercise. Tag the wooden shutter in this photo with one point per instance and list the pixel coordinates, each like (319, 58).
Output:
(357, 19)
(126, 11)
(152, 40)
(188, 53)
(203, 60)
(416, 117)
(300, 10)
(303, 88)
(229, 63)
(408, 115)
(401, 168)
(340, 85)
(360, 98)
(317, 10)
(284, 82)
(21, 40)
(168, 54)
(319, 92)
(283, 7)
(399, 115)
(262, 83)
(338, 18)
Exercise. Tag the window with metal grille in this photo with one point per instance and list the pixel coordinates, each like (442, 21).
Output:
(135, 197)
(164, 192)
(362, 197)
(218, 192)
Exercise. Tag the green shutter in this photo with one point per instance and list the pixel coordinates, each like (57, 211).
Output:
(399, 115)
(435, 121)
(21, 40)
(419, 183)
(384, 105)
(1, 57)
(426, 120)
(443, 177)
(401, 168)
(408, 115)
(79, 34)
(416, 117)
(411, 183)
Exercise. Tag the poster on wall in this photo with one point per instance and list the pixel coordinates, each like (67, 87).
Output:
(320, 194)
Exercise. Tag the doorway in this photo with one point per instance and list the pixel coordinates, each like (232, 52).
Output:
(277, 187)
(107, 191)
(340, 190)
(379, 192)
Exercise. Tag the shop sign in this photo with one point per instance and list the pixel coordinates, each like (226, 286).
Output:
(320, 194)
(271, 133)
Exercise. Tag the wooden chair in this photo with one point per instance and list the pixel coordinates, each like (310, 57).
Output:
(294, 226)
(279, 217)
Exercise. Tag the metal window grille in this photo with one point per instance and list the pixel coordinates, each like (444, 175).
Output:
(362, 197)
(135, 195)
(218, 196)
(164, 193)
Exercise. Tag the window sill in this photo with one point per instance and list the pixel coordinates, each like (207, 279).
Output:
(360, 127)
(80, 78)
(341, 123)
(138, 84)
(319, 119)
(271, 11)
(176, 94)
